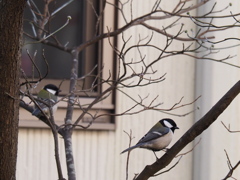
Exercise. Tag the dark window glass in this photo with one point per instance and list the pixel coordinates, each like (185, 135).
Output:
(81, 28)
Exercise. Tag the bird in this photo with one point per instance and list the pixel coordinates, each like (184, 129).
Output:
(158, 137)
(46, 99)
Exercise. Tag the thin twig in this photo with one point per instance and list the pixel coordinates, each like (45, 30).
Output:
(169, 168)
(228, 128)
(128, 154)
(189, 150)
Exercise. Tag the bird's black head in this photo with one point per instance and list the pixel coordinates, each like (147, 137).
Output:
(166, 122)
(52, 89)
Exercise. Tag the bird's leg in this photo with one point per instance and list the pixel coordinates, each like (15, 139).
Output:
(155, 154)
(164, 149)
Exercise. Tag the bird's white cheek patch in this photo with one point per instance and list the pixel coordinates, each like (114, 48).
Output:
(168, 124)
(51, 91)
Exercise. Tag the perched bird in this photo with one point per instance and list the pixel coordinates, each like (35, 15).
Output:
(158, 137)
(47, 98)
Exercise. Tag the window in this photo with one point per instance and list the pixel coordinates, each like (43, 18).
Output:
(80, 29)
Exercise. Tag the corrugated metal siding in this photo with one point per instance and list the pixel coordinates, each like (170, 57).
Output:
(92, 151)
(36, 155)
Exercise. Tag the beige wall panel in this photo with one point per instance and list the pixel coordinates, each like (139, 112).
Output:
(213, 81)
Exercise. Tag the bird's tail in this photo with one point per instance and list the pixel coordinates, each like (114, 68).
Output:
(131, 148)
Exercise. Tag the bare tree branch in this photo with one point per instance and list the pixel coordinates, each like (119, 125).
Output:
(231, 168)
(169, 168)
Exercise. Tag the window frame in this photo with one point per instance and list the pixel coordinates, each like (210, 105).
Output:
(108, 105)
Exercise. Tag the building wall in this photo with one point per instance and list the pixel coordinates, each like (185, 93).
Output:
(213, 81)
(97, 153)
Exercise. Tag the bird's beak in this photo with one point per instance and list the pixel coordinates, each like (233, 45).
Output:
(176, 127)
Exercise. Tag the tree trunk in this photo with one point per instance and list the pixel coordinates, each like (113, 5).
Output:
(11, 13)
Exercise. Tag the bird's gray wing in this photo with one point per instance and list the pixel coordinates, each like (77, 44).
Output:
(44, 104)
(153, 135)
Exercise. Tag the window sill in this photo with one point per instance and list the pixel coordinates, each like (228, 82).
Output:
(102, 123)
(40, 125)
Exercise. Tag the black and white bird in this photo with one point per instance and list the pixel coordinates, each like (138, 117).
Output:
(46, 99)
(158, 137)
